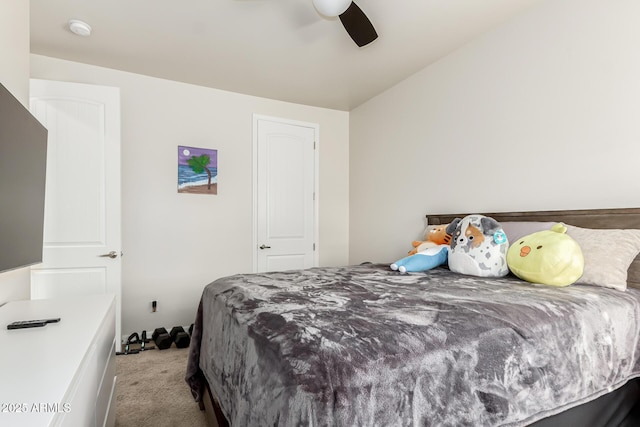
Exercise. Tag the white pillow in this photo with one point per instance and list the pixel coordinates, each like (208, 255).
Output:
(607, 255)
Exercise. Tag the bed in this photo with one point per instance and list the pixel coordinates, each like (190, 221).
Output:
(364, 345)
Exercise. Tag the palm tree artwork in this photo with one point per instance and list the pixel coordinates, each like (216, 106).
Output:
(197, 170)
(199, 164)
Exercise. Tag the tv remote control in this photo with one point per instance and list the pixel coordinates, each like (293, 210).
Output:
(22, 324)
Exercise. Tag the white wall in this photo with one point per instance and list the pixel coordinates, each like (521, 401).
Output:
(174, 244)
(14, 75)
(541, 113)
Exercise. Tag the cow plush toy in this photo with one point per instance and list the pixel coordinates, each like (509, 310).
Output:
(478, 247)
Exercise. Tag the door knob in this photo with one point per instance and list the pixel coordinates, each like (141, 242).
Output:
(265, 247)
(112, 255)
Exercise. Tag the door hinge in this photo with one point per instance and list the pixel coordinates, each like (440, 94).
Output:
(314, 145)
(314, 196)
(314, 246)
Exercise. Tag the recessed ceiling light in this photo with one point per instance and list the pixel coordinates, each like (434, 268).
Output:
(80, 28)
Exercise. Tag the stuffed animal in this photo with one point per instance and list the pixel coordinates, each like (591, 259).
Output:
(550, 257)
(431, 253)
(478, 247)
(423, 260)
(436, 235)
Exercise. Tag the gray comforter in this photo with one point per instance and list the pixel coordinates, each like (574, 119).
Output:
(367, 346)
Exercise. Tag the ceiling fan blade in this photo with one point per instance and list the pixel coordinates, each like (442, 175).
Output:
(358, 25)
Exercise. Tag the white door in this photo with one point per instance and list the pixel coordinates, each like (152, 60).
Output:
(82, 200)
(286, 202)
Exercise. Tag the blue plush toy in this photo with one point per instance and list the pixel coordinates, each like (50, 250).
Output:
(423, 260)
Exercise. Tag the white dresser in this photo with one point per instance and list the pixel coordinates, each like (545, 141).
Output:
(62, 374)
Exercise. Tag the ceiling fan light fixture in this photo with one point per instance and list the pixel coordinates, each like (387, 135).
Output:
(80, 28)
(331, 7)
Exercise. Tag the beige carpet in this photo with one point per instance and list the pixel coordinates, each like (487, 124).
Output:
(151, 391)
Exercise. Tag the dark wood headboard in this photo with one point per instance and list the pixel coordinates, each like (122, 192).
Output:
(587, 218)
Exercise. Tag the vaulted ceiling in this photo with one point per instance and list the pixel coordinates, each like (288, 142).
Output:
(278, 49)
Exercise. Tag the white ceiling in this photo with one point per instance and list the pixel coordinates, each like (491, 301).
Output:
(279, 49)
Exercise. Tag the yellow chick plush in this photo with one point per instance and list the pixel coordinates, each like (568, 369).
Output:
(549, 257)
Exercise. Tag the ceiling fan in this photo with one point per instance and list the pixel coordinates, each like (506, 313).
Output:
(352, 17)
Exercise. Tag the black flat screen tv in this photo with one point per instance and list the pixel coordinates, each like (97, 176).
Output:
(23, 157)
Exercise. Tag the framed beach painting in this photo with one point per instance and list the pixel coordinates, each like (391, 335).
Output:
(197, 170)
